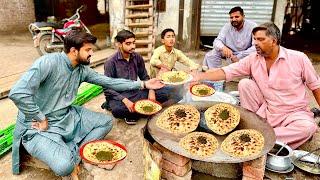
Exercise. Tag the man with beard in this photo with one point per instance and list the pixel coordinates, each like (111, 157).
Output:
(48, 126)
(164, 57)
(127, 64)
(233, 42)
(276, 90)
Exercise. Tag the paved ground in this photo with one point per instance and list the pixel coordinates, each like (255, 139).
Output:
(18, 54)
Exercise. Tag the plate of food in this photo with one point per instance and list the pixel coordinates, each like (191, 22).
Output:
(201, 90)
(147, 107)
(102, 152)
(175, 77)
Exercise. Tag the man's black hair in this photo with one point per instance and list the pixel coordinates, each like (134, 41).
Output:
(271, 30)
(123, 35)
(235, 9)
(76, 39)
(164, 32)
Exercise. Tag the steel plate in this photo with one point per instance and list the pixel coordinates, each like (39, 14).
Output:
(309, 163)
(248, 120)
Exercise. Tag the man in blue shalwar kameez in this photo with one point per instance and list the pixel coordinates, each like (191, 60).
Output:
(48, 126)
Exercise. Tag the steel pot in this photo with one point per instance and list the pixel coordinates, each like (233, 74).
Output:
(279, 157)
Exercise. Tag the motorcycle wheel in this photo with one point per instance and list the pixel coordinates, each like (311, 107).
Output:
(45, 40)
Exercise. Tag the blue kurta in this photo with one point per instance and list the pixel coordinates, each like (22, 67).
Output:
(48, 89)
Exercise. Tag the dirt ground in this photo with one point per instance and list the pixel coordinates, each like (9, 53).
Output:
(18, 55)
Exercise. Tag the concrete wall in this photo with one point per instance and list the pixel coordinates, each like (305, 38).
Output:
(279, 13)
(16, 15)
(169, 18)
(187, 25)
(116, 11)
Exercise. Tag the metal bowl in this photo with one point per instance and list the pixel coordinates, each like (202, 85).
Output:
(279, 157)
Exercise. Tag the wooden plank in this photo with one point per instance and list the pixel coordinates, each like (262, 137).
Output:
(143, 6)
(143, 50)
(137, 15)
(146, 58)
(140, 25)
(142, 33)
(143, 42)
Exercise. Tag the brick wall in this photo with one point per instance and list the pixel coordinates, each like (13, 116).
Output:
(16, 15)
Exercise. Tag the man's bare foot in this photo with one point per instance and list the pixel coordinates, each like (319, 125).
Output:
(75, 172)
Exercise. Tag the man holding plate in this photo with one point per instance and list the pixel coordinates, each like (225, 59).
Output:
(127, 64)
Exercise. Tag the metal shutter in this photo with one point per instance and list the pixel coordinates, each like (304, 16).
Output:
(214, 13)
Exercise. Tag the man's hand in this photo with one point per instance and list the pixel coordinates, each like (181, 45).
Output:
(162, 70)
(234, 58)
(194, 70)
(152, 95)
(196, 77)
(154, 84)
(226, 52)
(40, 125)
(129, 104)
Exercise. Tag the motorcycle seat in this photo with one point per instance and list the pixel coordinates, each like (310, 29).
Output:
(62, 31)
(48, 24)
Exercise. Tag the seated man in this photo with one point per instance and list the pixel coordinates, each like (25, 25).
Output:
(234, 41)
(127, 64)
(164, 57)
(49, 127)
(276, 91)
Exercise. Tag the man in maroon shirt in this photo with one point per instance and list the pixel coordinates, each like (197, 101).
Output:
(127, 64)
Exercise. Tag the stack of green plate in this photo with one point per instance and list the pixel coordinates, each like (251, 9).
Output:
(6, 139)
(85, 93)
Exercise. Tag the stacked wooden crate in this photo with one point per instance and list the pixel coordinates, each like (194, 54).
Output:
(139, 19)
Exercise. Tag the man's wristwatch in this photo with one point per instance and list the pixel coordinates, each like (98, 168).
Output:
(143, 84)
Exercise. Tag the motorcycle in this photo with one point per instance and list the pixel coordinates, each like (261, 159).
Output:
(48, 37)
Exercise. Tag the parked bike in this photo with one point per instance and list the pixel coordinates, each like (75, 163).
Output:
(48, 37)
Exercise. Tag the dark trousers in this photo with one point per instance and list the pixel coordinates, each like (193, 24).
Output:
(167, 96)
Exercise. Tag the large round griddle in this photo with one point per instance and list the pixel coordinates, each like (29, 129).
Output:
(248, 120)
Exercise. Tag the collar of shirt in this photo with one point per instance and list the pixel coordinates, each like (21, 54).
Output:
(67, 61)
(164, 50)
(282, 55)
(120, 57)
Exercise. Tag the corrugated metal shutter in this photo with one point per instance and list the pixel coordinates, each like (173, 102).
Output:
(214, 13)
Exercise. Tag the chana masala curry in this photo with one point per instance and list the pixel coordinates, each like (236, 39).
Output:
(103, 152)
